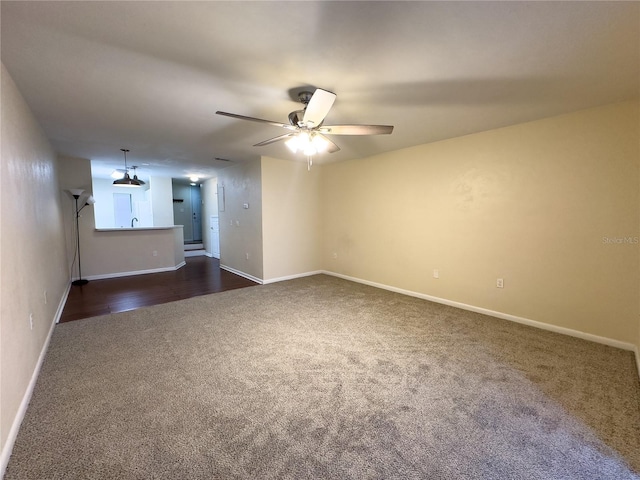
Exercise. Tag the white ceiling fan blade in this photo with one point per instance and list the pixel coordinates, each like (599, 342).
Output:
(331, 147)
(356, 129)
(318, 107)
(253, 119)
(274, 139)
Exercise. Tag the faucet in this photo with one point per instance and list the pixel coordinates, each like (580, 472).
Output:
(134, 218)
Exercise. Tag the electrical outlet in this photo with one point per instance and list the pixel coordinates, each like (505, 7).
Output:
(31, 321)
(246, 255)
(436, 273)
(335, 255)
(155, 253)
(500, 283)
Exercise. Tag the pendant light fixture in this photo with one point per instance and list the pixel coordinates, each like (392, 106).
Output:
(127, 181)
(135, 177)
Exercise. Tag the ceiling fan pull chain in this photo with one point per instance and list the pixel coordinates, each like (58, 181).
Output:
(309, 162)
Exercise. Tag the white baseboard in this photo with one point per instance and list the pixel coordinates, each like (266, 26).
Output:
(63, 302)
(291, 277)
(22, 409)
(136, 272)
(637, 352)
(242, 274)
(505, 316)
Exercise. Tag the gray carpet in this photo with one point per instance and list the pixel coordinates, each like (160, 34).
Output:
(323, 378)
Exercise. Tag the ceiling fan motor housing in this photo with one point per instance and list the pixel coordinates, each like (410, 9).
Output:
(295, 117)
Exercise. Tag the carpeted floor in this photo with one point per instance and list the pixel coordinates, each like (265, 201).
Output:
(323, 378)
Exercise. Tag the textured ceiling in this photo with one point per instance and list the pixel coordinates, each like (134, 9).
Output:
(149, 76)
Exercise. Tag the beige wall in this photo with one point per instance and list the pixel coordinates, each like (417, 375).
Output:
(161, 201)
(131, 251)
(240, 228)
(291, 220)
(178, 246)
(33, 257)
(532, 204)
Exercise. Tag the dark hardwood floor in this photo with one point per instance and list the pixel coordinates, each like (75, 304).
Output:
(200, 276)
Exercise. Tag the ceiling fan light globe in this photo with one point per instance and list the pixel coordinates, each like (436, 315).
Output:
(304, 138)
(293, 144)
(309, 150)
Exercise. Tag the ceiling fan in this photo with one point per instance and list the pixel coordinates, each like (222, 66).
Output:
(306, 132)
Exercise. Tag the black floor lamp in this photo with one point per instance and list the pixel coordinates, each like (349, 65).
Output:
(77, 192)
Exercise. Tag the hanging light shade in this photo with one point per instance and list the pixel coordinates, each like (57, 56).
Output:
(135, 177)
(127, 181)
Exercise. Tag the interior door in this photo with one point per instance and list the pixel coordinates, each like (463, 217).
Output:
(196, 209)
(215, 236)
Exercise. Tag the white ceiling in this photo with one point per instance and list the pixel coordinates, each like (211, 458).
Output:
(149, 76)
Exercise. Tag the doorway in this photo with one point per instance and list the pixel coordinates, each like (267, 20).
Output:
(187, 210)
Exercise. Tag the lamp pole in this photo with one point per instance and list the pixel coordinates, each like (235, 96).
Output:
(80, 280)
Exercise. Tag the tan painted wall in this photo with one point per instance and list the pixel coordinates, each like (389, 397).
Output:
(291, 220)
(33, 257)
(240, 228)
(161, 201)
(178, 245)
(542, 205)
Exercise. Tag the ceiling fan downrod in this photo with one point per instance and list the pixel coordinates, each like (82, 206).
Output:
(305, 97)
